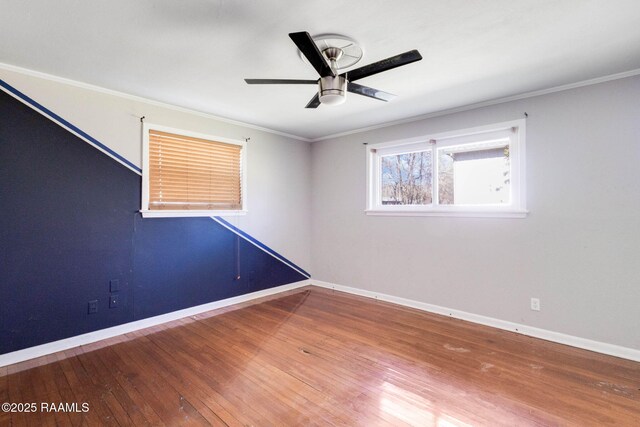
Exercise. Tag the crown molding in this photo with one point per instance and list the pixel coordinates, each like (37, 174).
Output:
(490, 102)
(496, 101)
(100, 89)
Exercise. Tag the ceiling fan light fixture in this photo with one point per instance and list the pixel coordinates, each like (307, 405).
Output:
(333, 87)
(332, 90)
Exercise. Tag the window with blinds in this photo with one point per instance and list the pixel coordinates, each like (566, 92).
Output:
(189, 173)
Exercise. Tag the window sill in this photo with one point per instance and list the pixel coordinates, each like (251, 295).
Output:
(516, 213)
(186, 214)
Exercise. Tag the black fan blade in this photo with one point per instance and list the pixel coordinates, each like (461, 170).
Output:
(309, 49)
(280, 82)
(370, 92)
(315, 101)
(384, 65)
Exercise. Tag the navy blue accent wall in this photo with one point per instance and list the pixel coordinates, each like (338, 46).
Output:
(182, 262)
(69, 224)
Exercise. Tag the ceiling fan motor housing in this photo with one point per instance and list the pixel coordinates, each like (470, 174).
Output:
(332, 90)
(333, 87)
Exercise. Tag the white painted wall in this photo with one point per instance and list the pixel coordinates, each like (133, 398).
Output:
(577, 250)
(278, 167)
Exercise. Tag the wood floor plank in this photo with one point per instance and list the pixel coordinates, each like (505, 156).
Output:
(65, 392)
(42, 378)
(463, 354)
(356, 369)
(226, 377)
(319, 357)
(318, 375)
(198, 380)
(454, 361)
(93, 394)
(121, 403)
(185, 383)
(293, 392)
(369, 382)
(510, 342)
(162, 396)
(105, 390)
(137, 398)
(16, 384)
(81, 394)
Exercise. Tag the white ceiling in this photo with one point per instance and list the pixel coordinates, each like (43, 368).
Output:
(195, 53)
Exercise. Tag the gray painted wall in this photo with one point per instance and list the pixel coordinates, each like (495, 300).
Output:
(577, 250)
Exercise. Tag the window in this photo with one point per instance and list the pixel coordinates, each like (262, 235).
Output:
(474, 172)
(189, 174)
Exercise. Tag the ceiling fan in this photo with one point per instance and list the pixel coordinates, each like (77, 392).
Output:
(333, 87)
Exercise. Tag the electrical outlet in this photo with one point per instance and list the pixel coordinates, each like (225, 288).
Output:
(113, 301)
(93, 306)
(535, 304)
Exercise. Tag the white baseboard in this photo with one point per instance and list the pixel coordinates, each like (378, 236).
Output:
(91, 337)
(78, 340)
(587, 344)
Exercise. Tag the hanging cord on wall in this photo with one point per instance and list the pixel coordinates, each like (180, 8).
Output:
(238, 276)
(236, 219)
(237, 225)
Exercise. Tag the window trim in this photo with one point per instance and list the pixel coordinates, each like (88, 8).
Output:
(166, 213)
(517, 207)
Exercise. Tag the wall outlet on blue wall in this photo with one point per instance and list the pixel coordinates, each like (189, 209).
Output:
(113, 301)
(93, 306)
(114, 285)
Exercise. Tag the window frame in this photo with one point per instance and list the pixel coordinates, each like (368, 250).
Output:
(515, 130)
(177, 213)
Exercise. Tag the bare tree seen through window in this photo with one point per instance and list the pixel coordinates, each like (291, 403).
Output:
(406, 179)
(467, 175)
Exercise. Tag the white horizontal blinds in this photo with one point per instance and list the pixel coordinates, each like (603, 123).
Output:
(188, 173)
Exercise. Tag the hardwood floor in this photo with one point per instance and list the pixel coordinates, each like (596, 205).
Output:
(319, 357)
